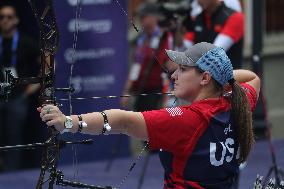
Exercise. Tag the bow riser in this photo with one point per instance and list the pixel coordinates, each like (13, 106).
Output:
(49, 40)
(47, 93)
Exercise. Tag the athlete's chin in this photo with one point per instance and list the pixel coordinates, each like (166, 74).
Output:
(178, 94)
(181, 94)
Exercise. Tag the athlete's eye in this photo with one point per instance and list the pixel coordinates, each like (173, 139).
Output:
(182, 68)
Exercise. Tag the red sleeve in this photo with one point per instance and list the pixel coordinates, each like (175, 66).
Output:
(251, 95)
(190, 36)
(234, 26)
(171, 129)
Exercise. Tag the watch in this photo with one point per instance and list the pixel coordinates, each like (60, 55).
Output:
(68, 124)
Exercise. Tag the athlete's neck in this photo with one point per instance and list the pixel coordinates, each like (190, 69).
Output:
(208, 92)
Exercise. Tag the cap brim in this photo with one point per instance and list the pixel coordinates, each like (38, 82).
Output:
(179, 58)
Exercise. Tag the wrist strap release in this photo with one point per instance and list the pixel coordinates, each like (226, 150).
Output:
(106, 127)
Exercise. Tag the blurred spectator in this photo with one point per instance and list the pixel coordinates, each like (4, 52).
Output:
(220, 25)
(19, 54)
(232, 4)
(145, 75)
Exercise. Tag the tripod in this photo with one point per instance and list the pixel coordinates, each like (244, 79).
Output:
(274, 168)
(257, 41)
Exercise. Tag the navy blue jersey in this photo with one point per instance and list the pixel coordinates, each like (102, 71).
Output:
(198, 144)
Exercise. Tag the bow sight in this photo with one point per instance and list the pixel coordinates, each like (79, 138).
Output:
(10, 82)
(6, 87)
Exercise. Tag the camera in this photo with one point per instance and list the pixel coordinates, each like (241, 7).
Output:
(172, 11)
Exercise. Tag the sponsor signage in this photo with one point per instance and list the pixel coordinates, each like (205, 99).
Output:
(100, 61)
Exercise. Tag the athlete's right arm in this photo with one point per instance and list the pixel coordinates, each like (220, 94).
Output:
(249, 77)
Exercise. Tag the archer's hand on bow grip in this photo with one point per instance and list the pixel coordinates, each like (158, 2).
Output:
(53, 117)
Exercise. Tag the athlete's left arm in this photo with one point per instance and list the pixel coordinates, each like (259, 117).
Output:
(121, 121)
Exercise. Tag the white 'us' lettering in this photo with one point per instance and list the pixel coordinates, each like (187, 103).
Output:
(227, 146)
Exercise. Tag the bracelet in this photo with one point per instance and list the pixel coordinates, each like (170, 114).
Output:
(106, 127)
(82, 124)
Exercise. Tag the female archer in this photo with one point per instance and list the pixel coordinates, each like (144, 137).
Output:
(201, 144)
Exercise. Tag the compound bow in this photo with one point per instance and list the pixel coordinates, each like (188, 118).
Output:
(49, 41)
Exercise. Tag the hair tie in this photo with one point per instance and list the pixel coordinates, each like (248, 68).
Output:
(232, 81)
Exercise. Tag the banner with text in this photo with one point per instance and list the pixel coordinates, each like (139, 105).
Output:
(100, 61)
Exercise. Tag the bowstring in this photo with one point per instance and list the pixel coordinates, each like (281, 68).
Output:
(74, 47)
(125, 13)
(75, 40)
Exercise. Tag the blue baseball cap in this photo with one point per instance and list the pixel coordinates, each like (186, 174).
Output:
(207, 57)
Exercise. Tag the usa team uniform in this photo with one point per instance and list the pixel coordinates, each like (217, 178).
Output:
(197, 142)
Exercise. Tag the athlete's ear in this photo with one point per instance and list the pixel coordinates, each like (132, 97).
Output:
(206, 77)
